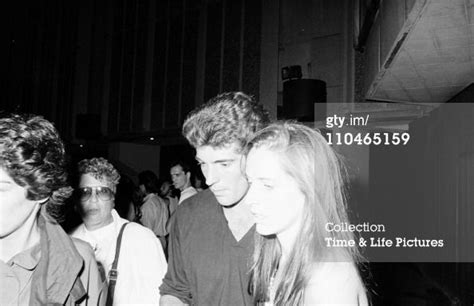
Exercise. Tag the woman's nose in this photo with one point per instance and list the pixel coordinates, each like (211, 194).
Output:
(252, 198)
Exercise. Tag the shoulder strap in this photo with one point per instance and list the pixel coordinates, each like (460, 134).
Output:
(113, 273)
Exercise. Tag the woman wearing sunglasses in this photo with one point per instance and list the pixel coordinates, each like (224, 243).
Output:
(296, 188)
(141, 261)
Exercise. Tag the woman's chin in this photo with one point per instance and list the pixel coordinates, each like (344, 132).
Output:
(264, 230)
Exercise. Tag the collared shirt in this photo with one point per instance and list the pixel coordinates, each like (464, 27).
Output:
(155, 214)
(16, 275)
(141, 265)
(187, 193)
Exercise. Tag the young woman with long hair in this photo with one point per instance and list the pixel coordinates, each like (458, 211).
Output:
(296, 190)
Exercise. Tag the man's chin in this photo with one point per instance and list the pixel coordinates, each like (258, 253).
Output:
(225, 202)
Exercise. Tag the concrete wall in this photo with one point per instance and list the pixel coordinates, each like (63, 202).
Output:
(387, 25)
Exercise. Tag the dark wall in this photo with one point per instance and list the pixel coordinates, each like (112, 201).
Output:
(38, 49)
(141, 65)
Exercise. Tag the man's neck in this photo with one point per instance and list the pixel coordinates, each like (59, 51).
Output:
(185, 187)
(25, 237)
(239, 218)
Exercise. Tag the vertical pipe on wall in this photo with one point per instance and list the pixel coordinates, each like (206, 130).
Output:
(201, 55)
(222, 45)
(181, 56)
(269, 56)
(107, 67)
(241, 49)
(146, 114)
(165, 80)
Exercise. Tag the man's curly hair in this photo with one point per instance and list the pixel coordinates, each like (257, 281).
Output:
(230, 117)
(100, 169)
(32, 153)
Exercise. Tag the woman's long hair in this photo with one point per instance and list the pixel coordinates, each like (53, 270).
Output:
(306, 156)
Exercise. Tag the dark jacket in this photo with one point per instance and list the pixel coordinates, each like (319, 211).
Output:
(67, 272)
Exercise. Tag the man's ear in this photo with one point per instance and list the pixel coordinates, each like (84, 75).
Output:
(188, 175)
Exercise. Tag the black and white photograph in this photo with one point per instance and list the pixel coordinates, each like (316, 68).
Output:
(237, 152)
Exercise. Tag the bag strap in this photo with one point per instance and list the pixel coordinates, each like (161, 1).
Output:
(113, 273)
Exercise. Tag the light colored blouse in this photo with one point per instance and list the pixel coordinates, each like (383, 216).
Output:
(142, 264)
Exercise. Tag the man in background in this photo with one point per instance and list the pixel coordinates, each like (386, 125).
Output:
(181, 176)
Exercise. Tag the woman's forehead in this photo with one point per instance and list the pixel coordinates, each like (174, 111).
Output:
(88, 179)
(262, 162)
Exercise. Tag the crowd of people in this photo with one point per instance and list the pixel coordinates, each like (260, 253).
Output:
(255, 236)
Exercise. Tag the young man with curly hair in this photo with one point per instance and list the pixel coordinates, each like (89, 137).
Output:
(141, 263)
(39, 263)
(212, 233)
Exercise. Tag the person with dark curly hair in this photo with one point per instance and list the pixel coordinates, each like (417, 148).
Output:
(39, 263)
(212, 233)
(141, 262)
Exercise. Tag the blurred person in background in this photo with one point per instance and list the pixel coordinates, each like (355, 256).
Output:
(154, 211)
(181, 176)
(199, 182)
(124, 196)
(167, 193)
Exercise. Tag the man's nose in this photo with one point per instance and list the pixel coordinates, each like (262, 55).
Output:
(211, 176)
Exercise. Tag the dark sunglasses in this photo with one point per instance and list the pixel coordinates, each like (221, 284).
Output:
(103, 193)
